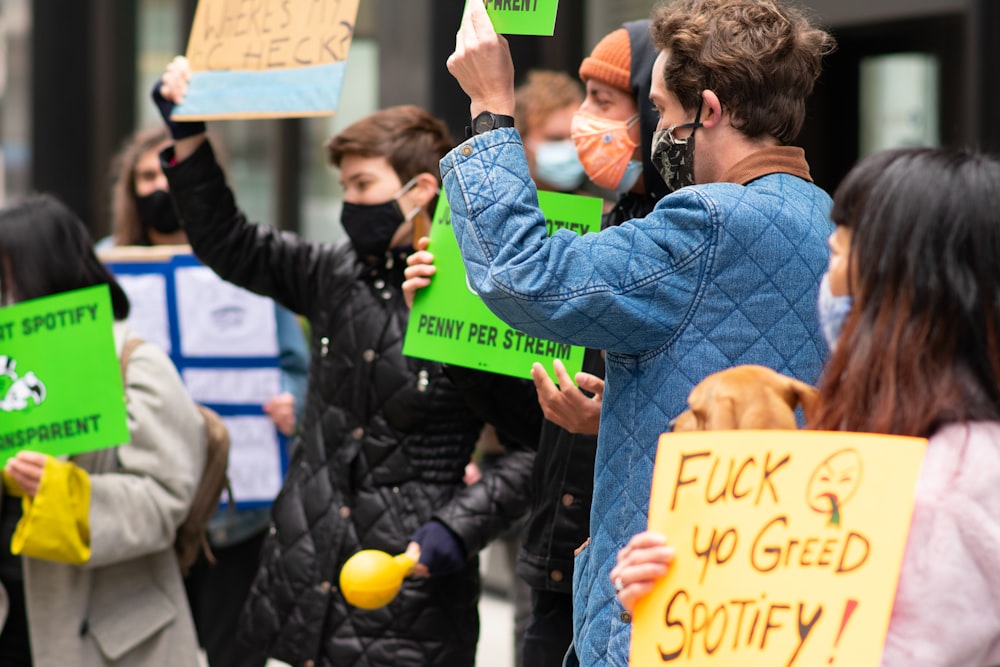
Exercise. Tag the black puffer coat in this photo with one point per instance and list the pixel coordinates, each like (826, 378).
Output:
(383, 447)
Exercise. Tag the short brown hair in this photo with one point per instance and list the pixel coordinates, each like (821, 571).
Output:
(543, 93)
(760, 57)
(126, 228)
(411, 140)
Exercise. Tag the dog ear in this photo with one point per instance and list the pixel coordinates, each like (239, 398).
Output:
(692, 419)
(721, 415)
(805, 395)
(685, 421)
(768, 410)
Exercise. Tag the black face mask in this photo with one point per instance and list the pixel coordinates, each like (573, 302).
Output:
(157, 212)
(674, 158)
(371, 226)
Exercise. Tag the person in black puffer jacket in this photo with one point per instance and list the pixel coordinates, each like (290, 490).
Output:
(385, 438)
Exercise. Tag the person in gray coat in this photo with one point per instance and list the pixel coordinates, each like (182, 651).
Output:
(119, 600)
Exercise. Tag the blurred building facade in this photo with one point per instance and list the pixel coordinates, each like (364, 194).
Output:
(75, 77)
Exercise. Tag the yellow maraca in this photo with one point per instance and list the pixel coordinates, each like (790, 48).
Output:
(371, 578)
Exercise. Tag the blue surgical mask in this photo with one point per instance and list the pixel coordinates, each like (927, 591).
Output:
(832, 311)
(557, 164)
(633, 170)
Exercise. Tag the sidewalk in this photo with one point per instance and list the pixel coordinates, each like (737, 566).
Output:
(496, 632)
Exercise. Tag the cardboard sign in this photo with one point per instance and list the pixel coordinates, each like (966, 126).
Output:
(267, 59)
(451, 324)
(223, 341)
(788, 547)
(523, 17)
(60, 382)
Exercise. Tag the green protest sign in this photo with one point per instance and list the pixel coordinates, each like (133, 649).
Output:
(523, 17)
(451, 324)
(60, 382)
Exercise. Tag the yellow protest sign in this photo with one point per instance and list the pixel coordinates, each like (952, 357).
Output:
(267, 58)
(788, 547)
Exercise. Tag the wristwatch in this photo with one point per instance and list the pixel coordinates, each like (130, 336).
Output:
(487, 121)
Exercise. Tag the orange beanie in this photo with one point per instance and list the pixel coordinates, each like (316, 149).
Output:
(610, 62)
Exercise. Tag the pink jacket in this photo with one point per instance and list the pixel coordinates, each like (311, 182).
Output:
(947, 608)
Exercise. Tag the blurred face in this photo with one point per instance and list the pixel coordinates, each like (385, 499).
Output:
(148, 175)
(371, 180)
(555, 127)
(679, 158)
(838, 271)
(606, 101)
(666, 102)
(368, 180)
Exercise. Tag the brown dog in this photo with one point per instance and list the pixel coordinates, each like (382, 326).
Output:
(746, 397)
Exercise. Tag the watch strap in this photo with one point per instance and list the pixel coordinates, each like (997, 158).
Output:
(486, 121)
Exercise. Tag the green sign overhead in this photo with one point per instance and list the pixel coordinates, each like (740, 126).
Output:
(60, 382)
(450, 323)
(523, 17)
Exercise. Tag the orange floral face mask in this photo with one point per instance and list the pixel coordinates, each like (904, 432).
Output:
(606, 149)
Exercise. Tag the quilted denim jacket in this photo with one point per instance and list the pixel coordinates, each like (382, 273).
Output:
(716, 275)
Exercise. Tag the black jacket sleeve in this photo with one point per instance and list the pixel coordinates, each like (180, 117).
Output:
(483, 511)
(276, 264)
(510, 404)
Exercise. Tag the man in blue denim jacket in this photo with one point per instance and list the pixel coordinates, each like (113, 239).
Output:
(724, 271)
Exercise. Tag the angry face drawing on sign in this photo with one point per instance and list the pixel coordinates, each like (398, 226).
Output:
(833, 483)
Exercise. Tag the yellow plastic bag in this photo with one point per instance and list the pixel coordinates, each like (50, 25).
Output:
(55, 524)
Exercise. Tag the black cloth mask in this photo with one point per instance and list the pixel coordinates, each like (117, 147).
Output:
(157, 212)
(674, 158)
(371, 226)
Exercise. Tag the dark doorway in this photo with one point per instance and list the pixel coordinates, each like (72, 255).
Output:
(832, 131)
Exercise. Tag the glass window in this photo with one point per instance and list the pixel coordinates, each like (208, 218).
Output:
(15, 98)
(321, 191)
(602, 17)
(158, 40)
(244, 147)
(899, 102)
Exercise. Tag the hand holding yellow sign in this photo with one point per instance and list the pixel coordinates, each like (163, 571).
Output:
(787, 547)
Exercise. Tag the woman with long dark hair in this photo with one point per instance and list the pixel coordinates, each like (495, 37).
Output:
(911, 309)
(114, 594)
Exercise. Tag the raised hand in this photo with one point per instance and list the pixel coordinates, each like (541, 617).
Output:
(167, 93)
(481, 63)
(566, 405)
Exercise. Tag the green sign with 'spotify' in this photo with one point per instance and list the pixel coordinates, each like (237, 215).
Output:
(60, 382)
(451, 324)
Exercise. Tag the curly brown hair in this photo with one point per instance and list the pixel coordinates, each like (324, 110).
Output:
(761, 58)
(543, 93)
(411, 140)
(126, 228)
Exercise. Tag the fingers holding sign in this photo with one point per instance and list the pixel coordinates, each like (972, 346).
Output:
(419, 269)
(482, 63)
(26, 470)
(175, 80)
(644, 561)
